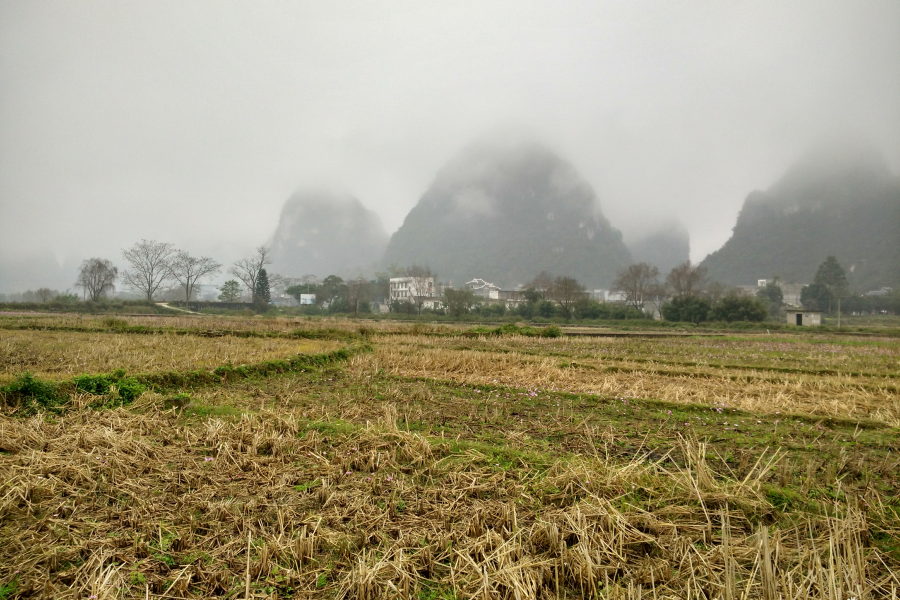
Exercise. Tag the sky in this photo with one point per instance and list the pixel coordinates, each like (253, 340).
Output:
(192, 122)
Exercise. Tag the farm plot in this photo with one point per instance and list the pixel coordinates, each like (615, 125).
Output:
(868, 389)
(438, 466)
(62, 354)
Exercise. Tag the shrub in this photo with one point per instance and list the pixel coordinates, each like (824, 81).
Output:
(739, 308)
(27, 390)
(114, 323)
(127, 388)
(552, 332)
(689, 309)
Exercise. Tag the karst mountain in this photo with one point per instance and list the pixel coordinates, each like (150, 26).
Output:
(842, 201)
(326, 233)
(504, 211)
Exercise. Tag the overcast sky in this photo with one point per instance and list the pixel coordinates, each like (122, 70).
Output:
(192, 122)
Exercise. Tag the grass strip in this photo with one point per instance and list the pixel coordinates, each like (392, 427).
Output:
(28, 394)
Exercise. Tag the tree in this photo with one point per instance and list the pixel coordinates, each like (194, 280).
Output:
(689, 309)
(831, 275)
(541, 284)
(686, 279)
(189, 270)
(380, 287)
(458, 302)
(545, 309)
(656, 295)
(332, 290)
(566, 291)
(772, 296)
(230, 291)
(97, 276)
(815, 297)
(714, 291)
(46, 294)
(421, 284)
(262, 295)
(248, 269)
(636, 282)
(734, 307)
(149, 266)
(357, 293)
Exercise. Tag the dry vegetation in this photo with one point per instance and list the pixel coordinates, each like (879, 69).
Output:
(62, 354)
(602, 366)
(437, 466)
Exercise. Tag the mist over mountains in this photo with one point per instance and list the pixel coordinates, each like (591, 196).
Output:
(663, 247)
(842, 201)
(504, 211)
(323, 233)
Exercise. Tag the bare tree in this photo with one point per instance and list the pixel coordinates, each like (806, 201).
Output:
(656, 295)
(714, 291)
(421, 284)
(686, 279)
(46, 294)
(566, 291)
(97, 276)
(247, 269)
(541, 284)
(636, 281)
(188, 271)
(149, 266)
(357, 293)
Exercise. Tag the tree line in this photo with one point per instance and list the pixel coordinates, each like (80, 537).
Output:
(685, 294)
(153, 267)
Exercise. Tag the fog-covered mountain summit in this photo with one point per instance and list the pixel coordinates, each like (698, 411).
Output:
(323, 233)
(664, 246)
(504, 211)
(839, 200)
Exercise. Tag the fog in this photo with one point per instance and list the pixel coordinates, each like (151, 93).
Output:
(193, 122)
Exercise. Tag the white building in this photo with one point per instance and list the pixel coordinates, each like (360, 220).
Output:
(405, 289)
(482, 288)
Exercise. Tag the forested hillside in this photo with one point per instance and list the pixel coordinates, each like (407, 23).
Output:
(844, 203)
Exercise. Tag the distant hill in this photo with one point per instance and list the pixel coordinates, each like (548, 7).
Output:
(504, 212)
(326, 233)
(664, 247)
(843, 202)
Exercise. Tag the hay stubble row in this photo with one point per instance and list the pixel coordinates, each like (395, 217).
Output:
(757, 390)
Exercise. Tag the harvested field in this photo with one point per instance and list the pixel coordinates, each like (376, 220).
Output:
(61, 354)
(602, 367)
(440, 466)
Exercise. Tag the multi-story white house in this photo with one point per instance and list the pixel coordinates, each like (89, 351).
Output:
(406, 289)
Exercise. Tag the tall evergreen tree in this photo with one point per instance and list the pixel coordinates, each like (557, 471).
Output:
(262, 295)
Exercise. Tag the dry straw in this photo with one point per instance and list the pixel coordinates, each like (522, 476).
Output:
(122, 505)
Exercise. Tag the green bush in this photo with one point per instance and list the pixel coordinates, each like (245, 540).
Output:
(552, 331)
(739, 308)
(690, 309)
(128, 388)
(27, 391)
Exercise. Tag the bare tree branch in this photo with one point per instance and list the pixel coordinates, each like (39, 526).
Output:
(636, 282)
(247, 269)
(97, 276)
(149, 262)
(686, 279)
(421, 284)
(188, 270)
(566, 291)
(357, 293)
